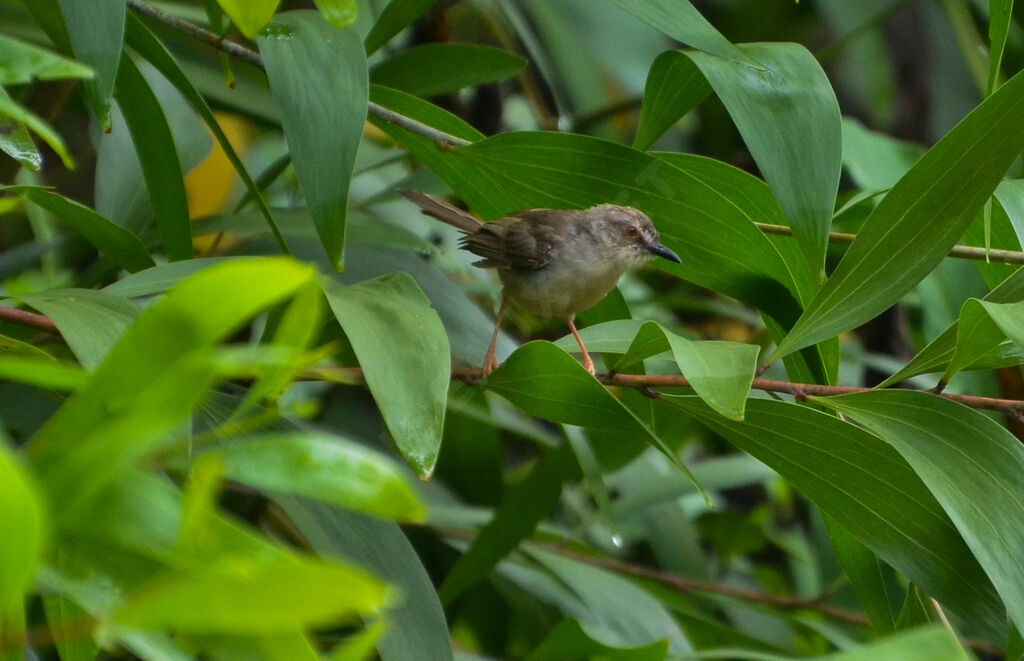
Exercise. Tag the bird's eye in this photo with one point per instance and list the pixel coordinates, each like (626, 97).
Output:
(632, 232)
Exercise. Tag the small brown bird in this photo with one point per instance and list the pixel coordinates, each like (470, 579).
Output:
(553, 262)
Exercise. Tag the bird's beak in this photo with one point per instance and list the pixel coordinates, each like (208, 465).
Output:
(662, 251)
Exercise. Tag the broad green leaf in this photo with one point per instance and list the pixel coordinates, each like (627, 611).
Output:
(322, 467)
(143, 41)
(719, 372)
(90, 321)
(571, 640)
(522, 507)
(339, 13)
(866, 575)
(789, 118)
(919, 221)
(390, 322)
(245, 594)
(423, 111)
(22, 531)
(435, 69)
(1000, 16)
(617, 610)
(162, 277)
(19, 115)
(158, 158)
(870, 490)
(96, 30)
(395, 17)
(934, 643)
(1010, 196)
(417, 624)
(249, 15)
(290, 646)
(681, 21)
(970, 463)
(46, 373)
(876, 161)
(109, 238)
(674, 87)
(23, 62)
(546, 382)
(981, 328)
(937, 354)
(152, 377)
(322, 116)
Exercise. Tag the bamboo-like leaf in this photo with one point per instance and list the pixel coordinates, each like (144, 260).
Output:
(435, 69)
(23, 62)
(250, 15)
(394, 18)
(96, 31)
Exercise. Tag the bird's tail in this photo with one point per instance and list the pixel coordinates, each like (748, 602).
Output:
(443, 211)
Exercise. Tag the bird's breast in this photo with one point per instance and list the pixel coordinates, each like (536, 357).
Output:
(556, 291)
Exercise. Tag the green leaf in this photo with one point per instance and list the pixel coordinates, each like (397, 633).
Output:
(868, 488)
(548, 383)
(417, 624)
(571, 640)
(914, 227)
(18, 114)
(141, 39)
(674, 87)
(16, 142)
(96, 30)
(396, 16)
(1010, 196)
(1000, 15)
(339, 13)
(681, 21)
(45, 373)
(971, 465)
(23, 62)
(158, 157)
(243, 594)
(435, 69)
(933, 643)
(326, 468)
(153, 376)
(876, 161)
(522, 507)
(789, 118)
(719, 372)
(866, 575)
(22, 531)
(981, 328)
(390, 322)
(249, 15)
(322, 116)
(361, 646)
(125, 248)
(90, 321)
(423, 111)
(937, 354)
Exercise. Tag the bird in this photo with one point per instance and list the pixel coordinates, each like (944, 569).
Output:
(553, 262)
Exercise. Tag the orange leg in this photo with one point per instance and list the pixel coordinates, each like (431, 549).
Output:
(588, 364)
(491, 359)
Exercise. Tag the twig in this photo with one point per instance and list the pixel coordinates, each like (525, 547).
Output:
(252, 57)
(28, 319)
(961, 252)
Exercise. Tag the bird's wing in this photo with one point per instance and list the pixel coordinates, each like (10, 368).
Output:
(525, 241)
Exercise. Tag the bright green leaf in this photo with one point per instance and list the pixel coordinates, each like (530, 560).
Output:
(20, 62)
(18, 115)
(390, 322)
(325, 468)
(41, 373)
(970, 463)
(322, 116)
(249, 15)
(435, 69)
(933, 643)
(22, 531)
(919, 221)
(681, 21)
(339, 13)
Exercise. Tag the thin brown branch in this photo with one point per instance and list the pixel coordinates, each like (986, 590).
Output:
(252, 57)
(960, 252)
(28, 319)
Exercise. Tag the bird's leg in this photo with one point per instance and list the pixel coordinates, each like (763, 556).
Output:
(491, 359)
(588, 364)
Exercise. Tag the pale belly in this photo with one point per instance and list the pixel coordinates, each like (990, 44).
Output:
(551, 293)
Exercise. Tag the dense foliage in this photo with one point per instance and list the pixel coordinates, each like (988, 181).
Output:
(241, 407)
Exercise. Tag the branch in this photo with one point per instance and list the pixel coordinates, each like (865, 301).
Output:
(252, 57)
(962, 252)
(28, 319)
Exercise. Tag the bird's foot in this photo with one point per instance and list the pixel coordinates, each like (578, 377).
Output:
(588, 365)
(490, 364)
